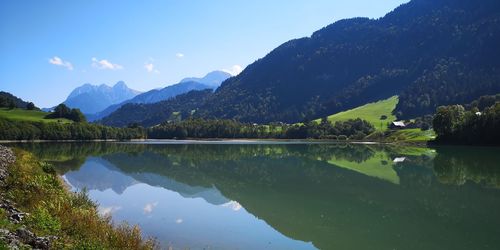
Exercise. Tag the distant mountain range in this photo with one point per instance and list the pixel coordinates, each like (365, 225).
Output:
(428, 52)
(211, 81)
(92, 99)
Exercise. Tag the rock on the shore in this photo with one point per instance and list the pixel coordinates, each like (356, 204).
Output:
(23, 238)
(7, 157)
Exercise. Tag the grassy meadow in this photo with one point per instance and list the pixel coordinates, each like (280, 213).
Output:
(371, 112)
(28, 115)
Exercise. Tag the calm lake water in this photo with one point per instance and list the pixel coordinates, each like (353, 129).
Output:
(291, 196)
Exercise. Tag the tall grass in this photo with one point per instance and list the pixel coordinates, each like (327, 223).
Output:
(73, 218)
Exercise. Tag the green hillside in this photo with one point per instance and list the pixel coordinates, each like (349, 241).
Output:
(28, 115)
(371, 112)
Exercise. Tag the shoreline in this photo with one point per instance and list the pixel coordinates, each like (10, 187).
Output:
(228, 141)
(36, 141)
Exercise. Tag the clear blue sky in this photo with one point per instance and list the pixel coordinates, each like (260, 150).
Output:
(48, 48)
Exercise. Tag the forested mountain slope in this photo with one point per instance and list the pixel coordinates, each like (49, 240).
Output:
(428, 52)
(151, 114)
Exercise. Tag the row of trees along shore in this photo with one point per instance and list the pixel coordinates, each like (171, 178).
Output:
(191, 128)
(200, 128)
(23, 130)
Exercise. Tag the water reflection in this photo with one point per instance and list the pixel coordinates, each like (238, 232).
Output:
(292, 196)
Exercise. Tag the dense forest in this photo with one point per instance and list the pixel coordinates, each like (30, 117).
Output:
(181, 107)
(199, 128)
(476, 123)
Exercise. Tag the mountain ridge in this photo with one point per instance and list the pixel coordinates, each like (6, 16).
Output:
(94, 98)
(212, 80)
(360, 60)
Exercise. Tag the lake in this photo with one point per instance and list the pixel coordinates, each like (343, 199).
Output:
(254, 195)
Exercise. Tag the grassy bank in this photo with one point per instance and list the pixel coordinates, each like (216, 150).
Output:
(52, 210)
(412, 136)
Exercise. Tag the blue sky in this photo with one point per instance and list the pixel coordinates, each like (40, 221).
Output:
(48, 48)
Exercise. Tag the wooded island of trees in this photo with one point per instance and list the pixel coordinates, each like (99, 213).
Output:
(476, 123)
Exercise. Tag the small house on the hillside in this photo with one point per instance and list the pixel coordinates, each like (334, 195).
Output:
(399, 159)
(397, 125)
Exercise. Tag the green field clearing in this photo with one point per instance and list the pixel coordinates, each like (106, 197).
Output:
(371, 112)
(28, 115)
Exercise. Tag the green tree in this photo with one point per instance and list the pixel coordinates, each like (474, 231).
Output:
(77, 116)
(61, 111)
(448, 119)
(12, 104)
(30, 106)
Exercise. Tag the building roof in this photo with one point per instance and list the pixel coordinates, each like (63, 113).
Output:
(399, 159)
(399, 124)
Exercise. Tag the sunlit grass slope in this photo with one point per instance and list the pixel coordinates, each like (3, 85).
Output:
(371, 112)
(28, 115)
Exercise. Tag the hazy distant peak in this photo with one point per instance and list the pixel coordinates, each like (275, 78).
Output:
(94, 98)
(120, 85)
(212, 79)
(217, 73)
